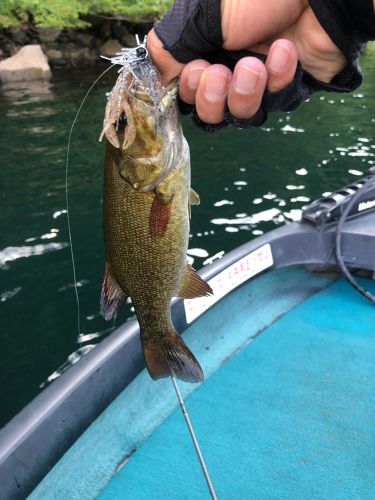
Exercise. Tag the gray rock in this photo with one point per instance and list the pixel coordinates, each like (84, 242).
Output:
(48, 35)
(110, 48)
(105, 30)
(19, 36)
(52, 46)
(120, 32)
(29, 63)
(80, 57)
(82, 54)
(55, 56)
(98, 43)
(85, 39)
(128, 40)
(12, 49)
(94, 58)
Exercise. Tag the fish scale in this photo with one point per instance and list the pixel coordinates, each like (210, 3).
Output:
(140, 261)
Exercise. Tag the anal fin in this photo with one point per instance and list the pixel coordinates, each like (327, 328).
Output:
(112, 296)
(193, 285)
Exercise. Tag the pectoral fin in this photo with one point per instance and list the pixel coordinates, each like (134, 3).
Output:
(160, 213)
(193, 285)
(112, 296)
(194, 197)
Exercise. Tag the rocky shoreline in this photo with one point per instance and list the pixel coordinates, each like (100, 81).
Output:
(66, 48)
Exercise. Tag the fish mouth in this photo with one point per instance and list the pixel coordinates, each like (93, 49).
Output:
(141, 104)
(137, 113)
(120, 123)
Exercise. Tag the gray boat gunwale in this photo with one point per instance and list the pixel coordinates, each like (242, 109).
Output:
(75, 399)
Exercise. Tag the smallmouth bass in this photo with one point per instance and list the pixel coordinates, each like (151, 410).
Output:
(146, 208)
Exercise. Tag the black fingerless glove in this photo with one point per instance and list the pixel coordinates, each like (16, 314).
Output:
(191, 29)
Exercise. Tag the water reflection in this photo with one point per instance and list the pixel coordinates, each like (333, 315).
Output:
(221, 203)
(198, 252)
(35, 91)
(58, 213)
(249, 183)
(355, 172)
(288, 128)
(10, 254)
(303, 199)
(9, 294)
(72, 359)
(263, 216)
(302, 171)
(72, 286)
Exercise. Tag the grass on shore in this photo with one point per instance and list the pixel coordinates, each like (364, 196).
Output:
(70, 14)
(370, 50)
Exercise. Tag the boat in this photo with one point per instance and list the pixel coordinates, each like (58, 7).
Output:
(286, 410)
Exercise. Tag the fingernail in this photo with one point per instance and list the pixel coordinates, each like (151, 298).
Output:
(193, 78)
(215, 86)
(279, 58)
(246, 80)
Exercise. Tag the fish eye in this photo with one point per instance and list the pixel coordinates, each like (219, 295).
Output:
(121, 123)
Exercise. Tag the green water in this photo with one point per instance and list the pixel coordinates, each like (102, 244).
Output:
(249, 183)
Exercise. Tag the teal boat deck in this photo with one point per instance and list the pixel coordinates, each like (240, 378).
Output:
(290, 415)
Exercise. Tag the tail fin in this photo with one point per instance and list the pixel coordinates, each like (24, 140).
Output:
(171, 356)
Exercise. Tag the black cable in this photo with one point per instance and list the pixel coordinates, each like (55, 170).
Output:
(348, 275)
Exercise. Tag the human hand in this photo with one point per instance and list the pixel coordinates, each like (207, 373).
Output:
(285, 30)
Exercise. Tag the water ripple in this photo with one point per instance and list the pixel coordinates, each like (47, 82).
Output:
(10, 254)
(221, 203)
(289, 128)
(198, 252)
(301, 171)
(264, 216)
(9, 294)
(58, 213)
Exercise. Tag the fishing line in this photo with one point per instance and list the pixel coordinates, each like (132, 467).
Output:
(67, 196)
(194, 439)
(119, 60)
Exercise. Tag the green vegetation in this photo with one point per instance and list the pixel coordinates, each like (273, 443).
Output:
(370, 50)
(71, 13)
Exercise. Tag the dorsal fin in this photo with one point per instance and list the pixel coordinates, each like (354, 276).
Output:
(193, 285)
(112, 296)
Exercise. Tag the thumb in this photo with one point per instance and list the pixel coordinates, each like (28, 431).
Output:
(167, 65)
(316, 51)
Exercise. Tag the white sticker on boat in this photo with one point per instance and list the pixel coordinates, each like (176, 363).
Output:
(229, 279)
